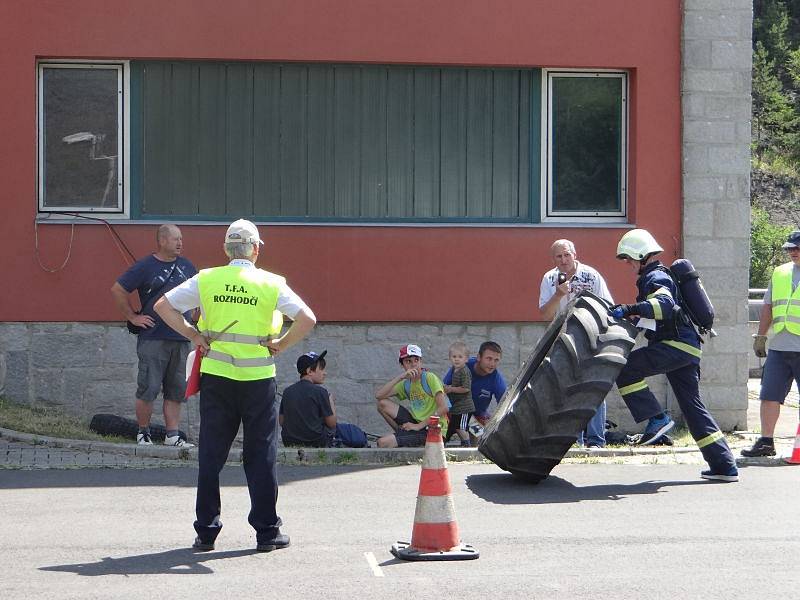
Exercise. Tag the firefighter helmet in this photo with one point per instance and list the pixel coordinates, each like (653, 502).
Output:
(637, 244)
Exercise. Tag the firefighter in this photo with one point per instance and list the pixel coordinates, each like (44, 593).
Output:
(673, 349)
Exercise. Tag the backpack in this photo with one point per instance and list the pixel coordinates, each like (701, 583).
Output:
(692, 295)
(426, 387)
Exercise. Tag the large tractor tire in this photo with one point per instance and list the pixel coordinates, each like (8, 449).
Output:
(558, 389)
(126, 428)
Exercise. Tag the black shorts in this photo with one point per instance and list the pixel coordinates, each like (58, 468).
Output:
(408, 439)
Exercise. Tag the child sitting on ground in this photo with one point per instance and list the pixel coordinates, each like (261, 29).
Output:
(425, 395)
(460, 394)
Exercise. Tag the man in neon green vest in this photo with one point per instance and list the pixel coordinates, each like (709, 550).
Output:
(240, 333)
(781, 311)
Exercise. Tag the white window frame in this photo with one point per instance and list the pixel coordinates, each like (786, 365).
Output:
(547, 212)
(122, 208)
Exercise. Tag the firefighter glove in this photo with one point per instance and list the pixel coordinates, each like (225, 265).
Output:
(620, 310)
(760, 345)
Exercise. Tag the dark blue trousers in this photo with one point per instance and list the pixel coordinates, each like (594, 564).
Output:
(224, 404)
(683, 373)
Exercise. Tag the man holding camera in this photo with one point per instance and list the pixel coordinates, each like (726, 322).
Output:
(560, 285)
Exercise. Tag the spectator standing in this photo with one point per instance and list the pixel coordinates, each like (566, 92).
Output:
(161, 351)
(781, 312)
(237, 384)
(565, 281)
(460, 394)
(425, 397)
(308, 411)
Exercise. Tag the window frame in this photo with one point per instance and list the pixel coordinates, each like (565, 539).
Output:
(122, 209)
(546, 151)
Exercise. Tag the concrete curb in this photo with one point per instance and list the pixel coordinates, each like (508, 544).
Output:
(353, 456)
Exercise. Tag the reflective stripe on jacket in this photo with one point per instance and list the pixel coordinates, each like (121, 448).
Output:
(249, 297)
(785, 304)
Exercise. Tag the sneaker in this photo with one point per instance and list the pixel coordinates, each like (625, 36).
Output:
(760, 448)
(143, 439)
(277, 543)
(177, 441)
(728, 477)
(202, 546)
(655, 429)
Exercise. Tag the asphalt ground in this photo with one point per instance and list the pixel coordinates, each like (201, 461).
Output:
(587, 531)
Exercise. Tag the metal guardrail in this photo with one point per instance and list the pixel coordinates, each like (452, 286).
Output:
(755, 298)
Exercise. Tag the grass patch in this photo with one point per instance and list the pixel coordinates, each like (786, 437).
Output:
(48, 421)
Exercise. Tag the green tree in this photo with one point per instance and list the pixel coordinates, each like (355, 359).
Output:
(766, 253)
(774, 118)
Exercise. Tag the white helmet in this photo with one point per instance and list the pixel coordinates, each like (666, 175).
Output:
(637, 244)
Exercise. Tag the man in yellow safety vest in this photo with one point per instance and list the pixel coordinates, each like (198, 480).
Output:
(240, 333)
(781, 311)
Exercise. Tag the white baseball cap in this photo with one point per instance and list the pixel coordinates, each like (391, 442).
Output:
(410, 350)
(242, 232)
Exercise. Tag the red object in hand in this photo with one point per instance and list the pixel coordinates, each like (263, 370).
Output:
(193, 382)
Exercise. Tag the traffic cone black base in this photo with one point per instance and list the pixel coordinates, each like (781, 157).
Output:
(404, 551)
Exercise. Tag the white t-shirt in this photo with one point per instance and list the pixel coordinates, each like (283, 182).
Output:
(187, 295)
(585, 278)
(783, 340)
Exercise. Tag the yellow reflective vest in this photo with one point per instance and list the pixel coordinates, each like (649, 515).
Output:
(785, 304)
(248, 296)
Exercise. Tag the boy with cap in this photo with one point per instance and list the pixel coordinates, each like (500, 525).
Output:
(425, 397)
(308, 412)
(781, 313)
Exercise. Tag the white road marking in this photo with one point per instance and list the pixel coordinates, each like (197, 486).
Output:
(373, 564)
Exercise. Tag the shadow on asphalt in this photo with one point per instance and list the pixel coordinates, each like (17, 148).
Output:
(504, 488)
(180, 561)
(231, 476)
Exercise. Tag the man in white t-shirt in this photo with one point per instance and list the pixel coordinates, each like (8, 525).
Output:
(560, 285)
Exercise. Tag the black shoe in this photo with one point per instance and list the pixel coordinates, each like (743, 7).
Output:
(655, 429)
(278, 542)
(728, 477)
(760, 448)
(202, 546)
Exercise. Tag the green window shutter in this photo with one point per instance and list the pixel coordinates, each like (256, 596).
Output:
(333, 142)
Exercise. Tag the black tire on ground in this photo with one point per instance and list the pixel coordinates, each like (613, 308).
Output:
(558, 389)
(126, 428)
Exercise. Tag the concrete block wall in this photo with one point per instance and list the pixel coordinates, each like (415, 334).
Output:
(91, 368)
(716, 95)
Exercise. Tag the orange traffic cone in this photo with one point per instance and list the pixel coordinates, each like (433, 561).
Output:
(794, 459)
(435, 534)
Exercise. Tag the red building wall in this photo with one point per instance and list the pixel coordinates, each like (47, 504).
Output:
(345, 273)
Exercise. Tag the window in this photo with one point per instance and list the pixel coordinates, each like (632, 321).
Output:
(323, 142)
(80, 137)
(320, 143)
(584, 146)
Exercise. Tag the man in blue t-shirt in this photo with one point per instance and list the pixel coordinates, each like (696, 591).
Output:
(487, 381)
(162, 352)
